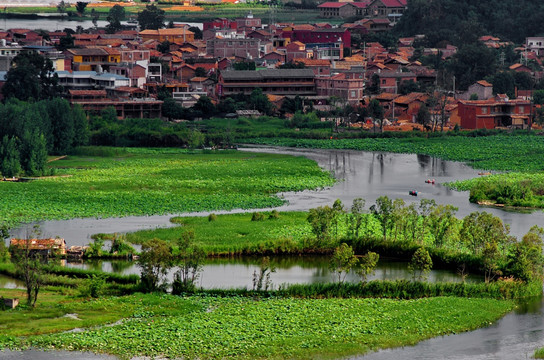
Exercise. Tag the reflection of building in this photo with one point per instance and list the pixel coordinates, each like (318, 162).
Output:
(492, 113)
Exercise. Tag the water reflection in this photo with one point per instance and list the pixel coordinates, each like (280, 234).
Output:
(7, 282)
(238, 272)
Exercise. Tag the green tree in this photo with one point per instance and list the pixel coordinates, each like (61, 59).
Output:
(33, 153)
(525, 260)
(62, 6)
(421, 264)
(472, 62)
(382, 211)
(292, 65)
(356, 217)
(29, 265)
(374, 87)
(367, 265)
(115, 16)
(188, 259)
(4, 234)
(32, 76)
(81, 126)
(478, 229)
(62, 123)
(442, 223)
(196, 30)
(204, 107)
(151, 17)
(338, 211)
(171, 109)
(200, 72)
(259, 101)
(375, 111)
(491, 256)
(196, 139)
(320, 220)
(80, 7)
(504, 83)
(9, 157)
(538, 97)
(423, 116)
(342, 261)
(155, 261)
(164, 47)
(65, 43)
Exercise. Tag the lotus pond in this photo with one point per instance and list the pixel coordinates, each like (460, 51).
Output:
(242, 328)
(157, 181)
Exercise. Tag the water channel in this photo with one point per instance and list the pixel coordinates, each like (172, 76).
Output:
(367, 175)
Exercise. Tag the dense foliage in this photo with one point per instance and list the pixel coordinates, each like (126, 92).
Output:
(460, 21)
(510, 189)
(63, 127)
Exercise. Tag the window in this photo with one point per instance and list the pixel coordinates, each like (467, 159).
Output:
(383, 81)
(352, 95)
(484, 110)
(521, 109)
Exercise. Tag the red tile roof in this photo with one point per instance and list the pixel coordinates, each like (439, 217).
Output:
(332, 5)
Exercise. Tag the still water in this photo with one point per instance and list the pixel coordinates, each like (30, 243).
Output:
(360, 174)
(238, 272)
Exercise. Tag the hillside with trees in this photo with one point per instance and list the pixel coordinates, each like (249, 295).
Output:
(463, 21)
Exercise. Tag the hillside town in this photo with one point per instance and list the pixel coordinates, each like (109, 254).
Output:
(328, 66)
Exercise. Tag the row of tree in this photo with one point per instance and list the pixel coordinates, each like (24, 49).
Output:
(435, 226)
(62, 126)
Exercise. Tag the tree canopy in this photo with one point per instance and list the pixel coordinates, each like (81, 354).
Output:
(115, 16)
(151, 18)
(32, 76)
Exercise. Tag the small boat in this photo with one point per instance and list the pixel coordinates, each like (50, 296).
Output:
(429, 181)
(412, 192)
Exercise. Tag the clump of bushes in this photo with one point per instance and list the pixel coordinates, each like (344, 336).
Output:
(257, 216)
(212, 217)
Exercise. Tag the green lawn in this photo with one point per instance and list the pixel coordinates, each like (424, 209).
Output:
(236, 233)
(242, 328)
(158, 181)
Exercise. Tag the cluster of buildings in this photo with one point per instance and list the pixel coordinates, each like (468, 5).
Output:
(317, 61)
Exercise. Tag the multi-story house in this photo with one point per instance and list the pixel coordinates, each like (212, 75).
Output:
(347, 86)
(496, 112)
(277, 82)
(238, 46)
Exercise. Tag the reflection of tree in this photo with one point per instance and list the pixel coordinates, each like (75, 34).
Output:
(423, 160)
(119, 266)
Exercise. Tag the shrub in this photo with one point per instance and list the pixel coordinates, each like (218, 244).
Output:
(212, 217)
(257, 216)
